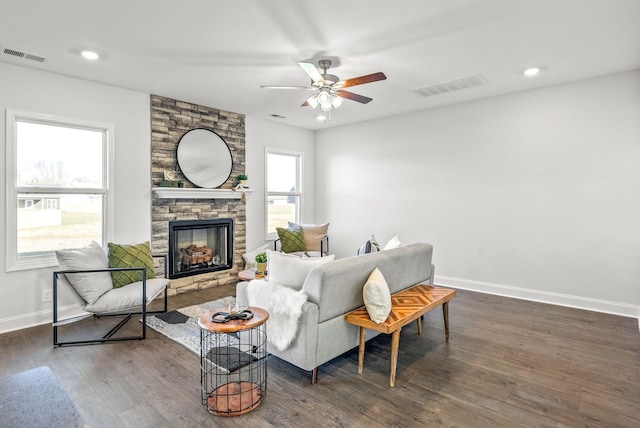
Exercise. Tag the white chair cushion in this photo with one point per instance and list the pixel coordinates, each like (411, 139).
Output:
(127, 297)
(89, 286)
(312, 233)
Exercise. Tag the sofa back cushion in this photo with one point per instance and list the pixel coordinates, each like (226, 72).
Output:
(336, 287)
(290, 270)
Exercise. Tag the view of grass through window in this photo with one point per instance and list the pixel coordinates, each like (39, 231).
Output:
(60, 187)
(283, 188)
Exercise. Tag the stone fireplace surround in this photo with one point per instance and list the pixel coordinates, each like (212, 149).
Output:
(170, 119)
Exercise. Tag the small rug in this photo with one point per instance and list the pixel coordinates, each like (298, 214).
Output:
(35, 398)
(181, 326)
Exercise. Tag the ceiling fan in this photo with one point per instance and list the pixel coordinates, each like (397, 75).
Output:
(329, 88)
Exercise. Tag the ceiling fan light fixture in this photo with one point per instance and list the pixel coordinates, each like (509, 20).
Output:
(313, 101)
(336, 100)
(326, 106)
(324, 97)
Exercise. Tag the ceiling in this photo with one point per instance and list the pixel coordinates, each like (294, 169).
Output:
(217, 53)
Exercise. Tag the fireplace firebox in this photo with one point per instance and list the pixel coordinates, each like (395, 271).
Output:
(200, 246)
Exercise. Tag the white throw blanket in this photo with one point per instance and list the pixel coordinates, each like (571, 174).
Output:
(284, 305)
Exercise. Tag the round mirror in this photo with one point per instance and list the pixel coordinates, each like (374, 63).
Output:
(204, 158)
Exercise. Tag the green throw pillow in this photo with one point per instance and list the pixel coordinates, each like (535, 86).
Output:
(291, 240)
(138, 255)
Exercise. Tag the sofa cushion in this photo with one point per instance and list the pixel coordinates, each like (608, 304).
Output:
(89, 286)
(291, 240)
(138, 255)
(291, 271)
(312, 233)
(377, 297)
(337, 287)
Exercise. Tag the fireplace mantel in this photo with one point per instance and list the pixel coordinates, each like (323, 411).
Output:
(197, 193)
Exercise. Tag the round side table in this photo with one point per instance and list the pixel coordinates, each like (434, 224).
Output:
(233, 362)
(249, 274)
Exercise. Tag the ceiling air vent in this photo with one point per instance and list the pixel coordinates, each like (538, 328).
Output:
(25, 55)
(451, 85)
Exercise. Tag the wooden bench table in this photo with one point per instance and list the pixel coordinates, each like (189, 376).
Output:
(406, 306)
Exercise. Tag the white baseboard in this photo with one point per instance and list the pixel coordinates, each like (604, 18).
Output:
(597, 305)
(38, 318)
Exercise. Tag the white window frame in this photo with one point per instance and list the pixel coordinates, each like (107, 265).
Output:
(13, 262)
(299, 185)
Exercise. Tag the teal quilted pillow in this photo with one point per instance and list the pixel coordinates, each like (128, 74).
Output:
(138, 255)
(291, 240)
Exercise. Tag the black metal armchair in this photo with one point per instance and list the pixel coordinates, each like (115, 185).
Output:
(124, 302)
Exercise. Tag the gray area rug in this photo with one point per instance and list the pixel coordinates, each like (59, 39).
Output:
(181, 326)
(35, 398)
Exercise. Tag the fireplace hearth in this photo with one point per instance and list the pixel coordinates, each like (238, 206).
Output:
(200, 246)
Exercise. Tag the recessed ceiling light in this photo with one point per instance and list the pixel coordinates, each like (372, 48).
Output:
(530, 72)
(90, 55)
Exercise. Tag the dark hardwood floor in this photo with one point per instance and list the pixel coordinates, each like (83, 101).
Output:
(508, 363)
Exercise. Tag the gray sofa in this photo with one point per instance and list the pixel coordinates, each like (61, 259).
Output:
(335, 288)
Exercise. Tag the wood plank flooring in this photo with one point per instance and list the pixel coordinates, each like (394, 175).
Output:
(508, 363)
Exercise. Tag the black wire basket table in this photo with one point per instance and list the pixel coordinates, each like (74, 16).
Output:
(233, 360)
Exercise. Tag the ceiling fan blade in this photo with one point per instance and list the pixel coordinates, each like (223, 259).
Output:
(313, 88)
(312, 71)
(369, 78)
(305, 104)
(354, 97)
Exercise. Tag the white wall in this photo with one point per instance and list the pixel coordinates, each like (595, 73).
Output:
(40, 92)
(261, 134)
(533, 195)
(31, 90)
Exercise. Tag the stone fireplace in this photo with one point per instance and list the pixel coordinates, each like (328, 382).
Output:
(170, 119)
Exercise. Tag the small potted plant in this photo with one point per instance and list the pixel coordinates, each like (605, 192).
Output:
(261, 260)
(242, 179)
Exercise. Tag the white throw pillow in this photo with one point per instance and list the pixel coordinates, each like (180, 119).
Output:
(377, 297)
(250, 257)
(291, 271)
(89, 286)
(393, 243)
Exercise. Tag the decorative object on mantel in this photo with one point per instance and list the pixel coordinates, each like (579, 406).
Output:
(171, 179)
(242, 179)
(204, 158)
(242, 189)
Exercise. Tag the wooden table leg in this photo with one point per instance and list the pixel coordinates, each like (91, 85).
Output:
(445, 312)
(363, 334)
(419, 320)
(395, 344)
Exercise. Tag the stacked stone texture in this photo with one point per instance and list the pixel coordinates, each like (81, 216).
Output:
(170, 120)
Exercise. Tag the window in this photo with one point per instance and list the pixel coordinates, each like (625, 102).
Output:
(283, 190)
(57, 187)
